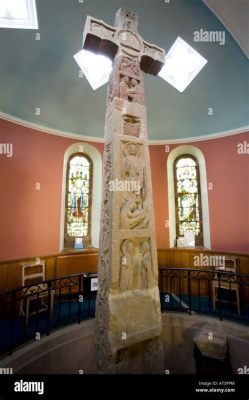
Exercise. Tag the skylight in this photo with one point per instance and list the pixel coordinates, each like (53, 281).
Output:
(182, 65)
(19, 14)
(96, 68)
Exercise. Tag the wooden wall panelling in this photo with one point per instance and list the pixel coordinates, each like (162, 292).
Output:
(87, 261)
(50, 267)
(3, 277)
(56, 265)
(74, 264)
(184, 258)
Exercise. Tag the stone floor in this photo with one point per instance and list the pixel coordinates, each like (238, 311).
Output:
(71, 350)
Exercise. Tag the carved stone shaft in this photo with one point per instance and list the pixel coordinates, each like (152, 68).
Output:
(128, 311)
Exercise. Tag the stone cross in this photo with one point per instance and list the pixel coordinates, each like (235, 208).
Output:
(128, 316)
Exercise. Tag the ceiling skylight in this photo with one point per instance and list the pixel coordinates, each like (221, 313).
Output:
(96, 68)
(182, 65)
(18, 14)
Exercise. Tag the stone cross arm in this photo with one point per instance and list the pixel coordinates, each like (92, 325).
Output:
(102, 38)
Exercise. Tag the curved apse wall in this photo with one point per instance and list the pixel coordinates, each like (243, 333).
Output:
(30, 219)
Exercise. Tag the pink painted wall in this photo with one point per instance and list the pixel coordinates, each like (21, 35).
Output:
(228, 171)
(158, 161)
(30, 219)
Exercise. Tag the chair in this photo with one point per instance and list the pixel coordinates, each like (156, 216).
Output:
(226, 282)
(34, 274)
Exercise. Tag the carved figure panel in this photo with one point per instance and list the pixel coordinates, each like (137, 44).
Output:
(146, 264)
(131, 89)
(133, 217)
(130, 67)
(136, 269)
(127, 263)
(132, 163)
(127, 81)
(133, 209)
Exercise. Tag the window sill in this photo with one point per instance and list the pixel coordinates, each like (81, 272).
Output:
(77, 251)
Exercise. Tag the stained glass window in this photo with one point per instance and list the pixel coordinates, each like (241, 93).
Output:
(188, 200)
(78, 199)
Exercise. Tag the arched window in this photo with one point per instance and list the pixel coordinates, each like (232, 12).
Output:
(188, 197)
(78, 200)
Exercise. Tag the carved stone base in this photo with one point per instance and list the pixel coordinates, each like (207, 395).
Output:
(141, 358)
(124, 320)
